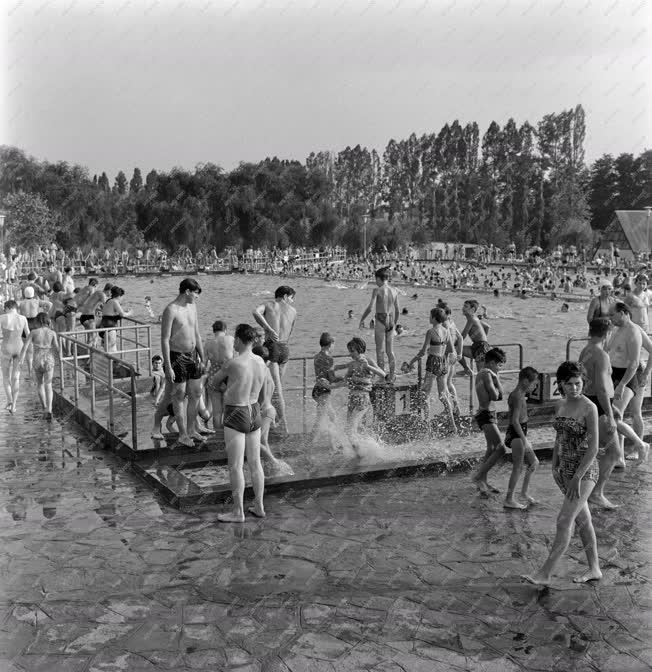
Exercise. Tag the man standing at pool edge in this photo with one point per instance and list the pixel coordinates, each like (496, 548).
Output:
(183, 357)
(277, 318)
(245, 375)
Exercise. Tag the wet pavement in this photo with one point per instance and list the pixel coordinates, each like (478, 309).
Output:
(410, 574)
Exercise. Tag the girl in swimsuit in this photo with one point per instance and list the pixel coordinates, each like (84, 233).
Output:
(575, 471)
(45, 343)
(603, 304)
(436, 342)
(112, 315)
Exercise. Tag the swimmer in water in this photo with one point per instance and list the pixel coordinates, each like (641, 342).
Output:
(564, 307)
(14, 327)
(350, 315)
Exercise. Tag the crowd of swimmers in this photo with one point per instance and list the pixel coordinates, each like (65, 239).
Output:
(237, 382)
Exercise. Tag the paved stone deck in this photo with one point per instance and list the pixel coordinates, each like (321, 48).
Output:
(407, 575)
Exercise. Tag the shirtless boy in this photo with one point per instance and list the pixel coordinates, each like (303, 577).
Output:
(489, 390)
(245, 377)
(384, 305)
(277, 318)
(218, 351)
(516, 439)
(477, 331)
(90, 301)
(183, 359)
(13, 327)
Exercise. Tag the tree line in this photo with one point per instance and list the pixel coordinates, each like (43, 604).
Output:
(524, 184)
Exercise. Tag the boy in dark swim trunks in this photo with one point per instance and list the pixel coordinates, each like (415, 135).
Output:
(245, 376)
(324, 378)
(477, 331)
(516, 439)
(489, 390)
(384, 303)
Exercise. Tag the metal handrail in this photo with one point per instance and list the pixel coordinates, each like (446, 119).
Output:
(93, 355)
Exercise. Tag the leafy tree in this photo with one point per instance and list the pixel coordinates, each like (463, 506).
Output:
(30, 222)
(136, 182)
(120, 183)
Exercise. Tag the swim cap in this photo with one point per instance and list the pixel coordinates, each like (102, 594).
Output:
(28, 292)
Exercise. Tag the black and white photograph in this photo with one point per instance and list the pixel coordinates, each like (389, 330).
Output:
(324, 336)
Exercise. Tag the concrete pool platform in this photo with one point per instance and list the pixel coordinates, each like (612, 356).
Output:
(411, 574)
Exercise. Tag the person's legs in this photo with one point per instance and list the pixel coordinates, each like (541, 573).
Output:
(235, 450)
(178, 395)
(193, 390)
(379, 335)
(587, 535)
(636, 406)
(252, 449)
(15, 381)
(620, 405)
(517, 467)
(426, 390)
(6, 380)
(40, 387)
(275, 370)
(217, 408)
(161, 410)
(452, 391)
(389, 349)
(607, 461)
(445, 400)
(47, 389)
(495, 452)
(466, 354)
(532, 463)
(569, 511)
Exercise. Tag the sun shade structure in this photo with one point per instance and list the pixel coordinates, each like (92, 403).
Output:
(628, 231)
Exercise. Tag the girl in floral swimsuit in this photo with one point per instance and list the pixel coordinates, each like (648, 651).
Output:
(45, 345)
(575, 471)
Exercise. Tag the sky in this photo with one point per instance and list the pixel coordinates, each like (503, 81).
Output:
(112, 85)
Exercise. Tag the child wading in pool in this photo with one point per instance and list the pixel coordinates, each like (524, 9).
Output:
(489, 390)
(359, 377)
(477, 331)
(324, 380)
(384, 305)
(437, 340)
(516, 439)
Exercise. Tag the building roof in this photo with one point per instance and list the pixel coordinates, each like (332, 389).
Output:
(629, 229)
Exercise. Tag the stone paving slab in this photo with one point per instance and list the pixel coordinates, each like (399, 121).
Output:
(100, 575)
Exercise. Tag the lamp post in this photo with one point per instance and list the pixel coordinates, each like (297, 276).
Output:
(648, 208)
(365, 221)
(2, 229)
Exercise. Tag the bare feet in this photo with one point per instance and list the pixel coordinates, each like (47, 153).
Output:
(643, 453)
(536, 580)
(255, 511)
(231, 517)
(619, 465)
(187, 442)
(197, 437)
(591, 575)
(492, 489)
(157, 436)
(530, 500)
(202, 428)
(513, 504)
(603, 503)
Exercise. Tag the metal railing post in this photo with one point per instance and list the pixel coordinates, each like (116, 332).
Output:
(61, 385)
(75, 372)
(305, 392)
(110, 372)
(134, 413)
(91, 360)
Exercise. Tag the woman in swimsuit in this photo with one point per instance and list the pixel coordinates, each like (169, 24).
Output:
(575, 471)
(45, 344)
(603, 304)
(112, 315)
(437, 341)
